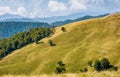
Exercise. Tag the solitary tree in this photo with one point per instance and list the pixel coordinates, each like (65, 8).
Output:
(63, 29)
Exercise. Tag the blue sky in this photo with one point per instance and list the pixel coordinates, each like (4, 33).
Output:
(48, 8)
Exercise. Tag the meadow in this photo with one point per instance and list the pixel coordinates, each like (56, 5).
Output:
(83, 41)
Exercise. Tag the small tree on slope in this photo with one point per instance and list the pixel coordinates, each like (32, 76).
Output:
(60, 67)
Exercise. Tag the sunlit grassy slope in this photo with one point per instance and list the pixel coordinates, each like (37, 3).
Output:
(83, 41)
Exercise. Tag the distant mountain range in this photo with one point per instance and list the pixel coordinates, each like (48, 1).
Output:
(11, 17)
(12, 24)
(58, 23)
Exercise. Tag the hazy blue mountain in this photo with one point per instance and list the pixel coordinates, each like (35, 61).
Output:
(10, 16)
(20, 20)
(58, 23)
(66, 17)
(16, 23)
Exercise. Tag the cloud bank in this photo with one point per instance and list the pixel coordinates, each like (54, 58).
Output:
(48, 8)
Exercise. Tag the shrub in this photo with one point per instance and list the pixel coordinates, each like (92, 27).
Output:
(51, 43)
(60, 63)
(90, 63)
(63, 29)
(113, 68)
(60, 67)
(97, 65)
(105, 64)
(84, 70)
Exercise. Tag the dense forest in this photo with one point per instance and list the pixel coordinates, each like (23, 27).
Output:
(23, 38)
(7, 29)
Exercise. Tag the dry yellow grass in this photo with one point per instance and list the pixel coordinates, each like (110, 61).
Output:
(83, 41)
(88, 74)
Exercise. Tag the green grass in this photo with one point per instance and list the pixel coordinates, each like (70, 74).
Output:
(83, 41)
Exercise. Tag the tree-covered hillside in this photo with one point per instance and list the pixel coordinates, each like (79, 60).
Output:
(7, 29)
(23, 38)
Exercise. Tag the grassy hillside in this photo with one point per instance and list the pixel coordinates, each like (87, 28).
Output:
(83, 41)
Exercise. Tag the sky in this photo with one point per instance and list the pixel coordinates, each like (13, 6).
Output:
(49, 8)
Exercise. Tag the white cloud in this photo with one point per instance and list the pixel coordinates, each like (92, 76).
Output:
(71, 6)
(31, 15)
(48, 8)
(78, 4)
(4, 9)
(56, 6)
(21, 11)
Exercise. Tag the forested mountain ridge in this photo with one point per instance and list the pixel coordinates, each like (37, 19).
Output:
(7, 29)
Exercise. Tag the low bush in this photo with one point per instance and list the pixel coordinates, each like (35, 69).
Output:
(51, 43)
(60, 68)
(84, 70)
(104, 64)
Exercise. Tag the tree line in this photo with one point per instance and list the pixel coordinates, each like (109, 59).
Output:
(23, 38)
